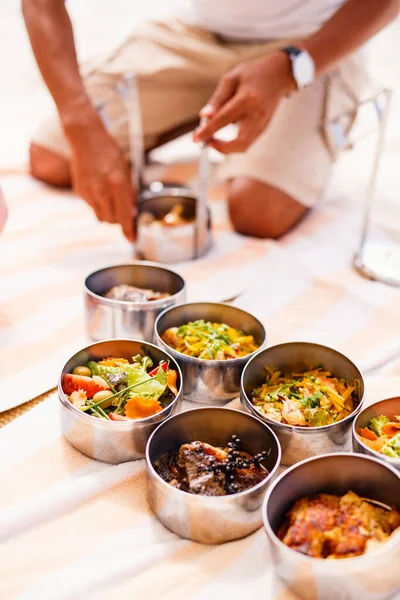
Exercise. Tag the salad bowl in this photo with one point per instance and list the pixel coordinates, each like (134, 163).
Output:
(209, 381)
(390, 408)
(370, 576)
(300, 442)
(108, 440)
(204, 518)
(107, 318)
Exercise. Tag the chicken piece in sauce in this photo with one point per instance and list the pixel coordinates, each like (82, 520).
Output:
(199, 468)
(328, 526)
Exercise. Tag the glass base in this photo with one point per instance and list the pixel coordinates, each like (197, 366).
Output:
(379, 261)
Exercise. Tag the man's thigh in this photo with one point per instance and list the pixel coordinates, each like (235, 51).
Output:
(177, 68)
(292, 154)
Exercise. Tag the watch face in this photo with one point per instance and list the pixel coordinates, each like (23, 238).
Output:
(303, 69)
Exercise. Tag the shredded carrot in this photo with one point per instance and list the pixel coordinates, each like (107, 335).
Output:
(113, 362)
(376, 445)
(171, 382)
(140, 408)
(391, 429)
(368, 434)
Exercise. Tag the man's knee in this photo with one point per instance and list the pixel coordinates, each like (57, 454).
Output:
(48, 166)
(260, 210)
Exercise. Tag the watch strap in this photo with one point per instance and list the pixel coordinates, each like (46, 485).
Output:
(291, 51)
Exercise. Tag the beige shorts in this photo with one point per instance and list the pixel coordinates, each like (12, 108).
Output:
(178, 67)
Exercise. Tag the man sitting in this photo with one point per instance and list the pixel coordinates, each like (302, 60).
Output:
(274, 67)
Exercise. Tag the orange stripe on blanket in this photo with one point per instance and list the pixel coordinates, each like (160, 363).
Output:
(36, 301)
(35, 192)
(250, 251)
(103, 236)
(70, 537)
(75, 213)
(34, 351)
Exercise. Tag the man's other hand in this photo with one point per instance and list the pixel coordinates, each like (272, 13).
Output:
(248, 95)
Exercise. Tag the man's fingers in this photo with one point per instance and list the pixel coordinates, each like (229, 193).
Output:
(223, 92)
(207, 111)
(124, 198)
(247, 133)
(104, 203)
(230, 113)
(223, 147)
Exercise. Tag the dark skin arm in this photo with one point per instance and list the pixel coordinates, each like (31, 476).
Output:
(100, 173)
(250, 93)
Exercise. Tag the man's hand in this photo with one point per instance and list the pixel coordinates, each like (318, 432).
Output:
(247, 95)
(100, 174)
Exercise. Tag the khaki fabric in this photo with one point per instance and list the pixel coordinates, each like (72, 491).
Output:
(178, 67)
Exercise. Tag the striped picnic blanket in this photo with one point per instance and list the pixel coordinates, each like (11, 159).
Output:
(75, 528)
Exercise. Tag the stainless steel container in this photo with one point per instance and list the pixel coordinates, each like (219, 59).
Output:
(373, 576)
(299, 443)
(109, 319)
(209, 381)
(170, 244)
(390, 408)
(210, 519)
(112, 441)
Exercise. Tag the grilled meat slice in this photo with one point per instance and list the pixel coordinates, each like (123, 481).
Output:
(194, 460)
(200, 468)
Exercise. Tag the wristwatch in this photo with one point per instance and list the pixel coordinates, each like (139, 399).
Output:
(303, 66)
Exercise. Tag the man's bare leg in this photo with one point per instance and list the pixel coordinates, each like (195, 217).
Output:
(260, 210)
(49, 167)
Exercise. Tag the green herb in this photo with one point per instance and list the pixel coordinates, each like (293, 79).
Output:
(109, 383)
(312, 401)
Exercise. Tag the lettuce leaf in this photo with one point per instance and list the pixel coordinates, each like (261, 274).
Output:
(101, 369)
(392, 447)
(152, 387)
(377, 423)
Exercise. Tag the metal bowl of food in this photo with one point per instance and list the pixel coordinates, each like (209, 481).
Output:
(166, 226)
(332, 547)
(311, 412)
(199, 503)
(376, 431)
(215, 378)
(95, 398)
(124, 301)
